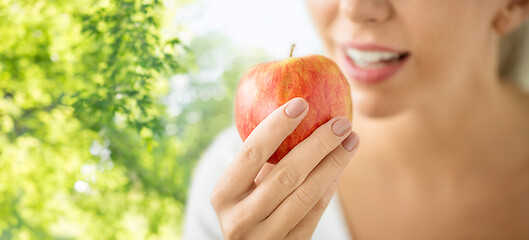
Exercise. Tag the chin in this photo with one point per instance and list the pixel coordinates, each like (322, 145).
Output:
(376, 106)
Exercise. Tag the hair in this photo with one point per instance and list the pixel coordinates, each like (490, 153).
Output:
(514, 56)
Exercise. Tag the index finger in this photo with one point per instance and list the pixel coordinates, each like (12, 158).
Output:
(258, 147)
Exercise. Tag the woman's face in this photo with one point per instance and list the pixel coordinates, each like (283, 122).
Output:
(440, 49)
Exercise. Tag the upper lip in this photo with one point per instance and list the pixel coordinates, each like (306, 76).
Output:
(372, 47)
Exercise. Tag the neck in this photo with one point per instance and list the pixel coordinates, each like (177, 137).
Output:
(452, 138)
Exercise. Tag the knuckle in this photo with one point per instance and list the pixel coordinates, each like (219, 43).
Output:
(336, 161)
(250, 154)
(234, 228)
(276, 235)
(232, 232)
(215, 199)
(321, 143)
(275, 127)
(299, 236)
(287, 177)
(306, 194)
(319, 207)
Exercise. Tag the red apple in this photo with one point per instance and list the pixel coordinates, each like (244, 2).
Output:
(268, 86)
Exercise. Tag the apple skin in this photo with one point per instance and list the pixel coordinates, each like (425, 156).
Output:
(268, 86)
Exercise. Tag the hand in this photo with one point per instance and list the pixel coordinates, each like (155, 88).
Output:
(285, 201)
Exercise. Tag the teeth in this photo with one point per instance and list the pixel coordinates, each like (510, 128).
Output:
(371, 58)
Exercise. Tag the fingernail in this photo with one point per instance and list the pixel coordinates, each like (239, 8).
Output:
(295, 108)
(350, 142)
(341, 127)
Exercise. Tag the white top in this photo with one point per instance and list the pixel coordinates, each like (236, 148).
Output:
(201, 222)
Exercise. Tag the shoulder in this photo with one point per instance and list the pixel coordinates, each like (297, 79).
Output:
(200, 218)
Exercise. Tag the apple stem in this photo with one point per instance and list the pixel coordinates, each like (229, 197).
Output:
(292, 49)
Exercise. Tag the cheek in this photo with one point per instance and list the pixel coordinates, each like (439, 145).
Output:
(443, 37)
(323, 13)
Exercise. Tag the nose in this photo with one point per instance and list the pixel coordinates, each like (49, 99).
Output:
(366, 11)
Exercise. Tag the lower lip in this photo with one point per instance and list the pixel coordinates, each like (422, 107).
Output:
(372, 75)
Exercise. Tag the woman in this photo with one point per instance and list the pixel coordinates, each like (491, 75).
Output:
(445, 135)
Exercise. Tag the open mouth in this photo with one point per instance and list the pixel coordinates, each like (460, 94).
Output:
(374, 59)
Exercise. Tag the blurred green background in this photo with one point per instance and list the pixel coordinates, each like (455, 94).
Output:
(104, 112)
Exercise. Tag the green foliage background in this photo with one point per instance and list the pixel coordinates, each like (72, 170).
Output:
(103, 114)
